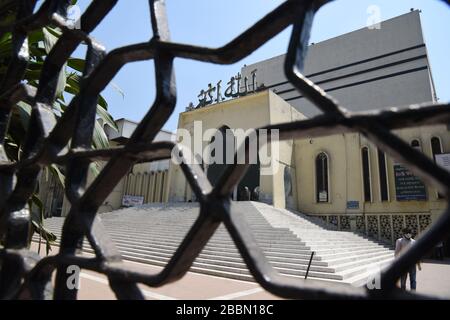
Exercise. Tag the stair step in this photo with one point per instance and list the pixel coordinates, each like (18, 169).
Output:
(152, 233)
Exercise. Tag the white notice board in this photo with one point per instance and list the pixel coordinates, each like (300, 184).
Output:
(131, 201)
(443, 160)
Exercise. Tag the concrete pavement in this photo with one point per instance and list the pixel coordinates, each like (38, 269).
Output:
(434, 279)
(193, 286)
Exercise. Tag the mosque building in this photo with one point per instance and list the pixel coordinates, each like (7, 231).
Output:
(343, 179)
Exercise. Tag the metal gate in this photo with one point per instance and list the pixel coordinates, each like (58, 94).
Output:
(24, 275)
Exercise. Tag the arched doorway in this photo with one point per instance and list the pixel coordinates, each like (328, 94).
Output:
(217, 168)
(248, 187)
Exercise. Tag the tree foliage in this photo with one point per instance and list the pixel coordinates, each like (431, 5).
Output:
(40, 43)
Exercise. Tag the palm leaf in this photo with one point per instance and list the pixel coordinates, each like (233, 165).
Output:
(37, 224)
(40, 43)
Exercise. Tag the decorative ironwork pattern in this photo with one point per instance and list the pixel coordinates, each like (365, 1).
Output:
(324, 218)
(385, 228)
(372, 226)
(411, 222)
(360, 224)
(424, 222)
(333, 220)
(25, 275)
(344, 223)
(398, 225)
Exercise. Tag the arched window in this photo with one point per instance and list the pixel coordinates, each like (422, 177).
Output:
(382, 171)
(322, 192)
(415, 144)
(436, 147)
(366, 174)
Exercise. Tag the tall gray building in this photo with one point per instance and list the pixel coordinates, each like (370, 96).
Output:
(364, 69)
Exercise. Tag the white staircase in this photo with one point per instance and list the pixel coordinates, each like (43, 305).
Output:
(151, 233)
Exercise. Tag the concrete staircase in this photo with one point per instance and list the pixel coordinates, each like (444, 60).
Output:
(151, 233)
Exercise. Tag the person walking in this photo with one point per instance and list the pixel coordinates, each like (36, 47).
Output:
(400, 247)
(440, 251)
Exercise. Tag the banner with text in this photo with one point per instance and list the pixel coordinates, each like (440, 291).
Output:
(407, 185)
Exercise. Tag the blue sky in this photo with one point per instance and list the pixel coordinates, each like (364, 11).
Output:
(213, 23)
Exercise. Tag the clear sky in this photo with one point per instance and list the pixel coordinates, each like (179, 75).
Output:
(213, 23)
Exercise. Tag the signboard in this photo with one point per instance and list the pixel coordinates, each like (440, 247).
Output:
(443, 160)
(323, 196)
(407, 185)
(238, 86)
(131, 201)
(352, 204)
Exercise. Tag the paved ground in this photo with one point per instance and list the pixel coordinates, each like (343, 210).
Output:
(433, 279)
(94, 286)
(192, 286)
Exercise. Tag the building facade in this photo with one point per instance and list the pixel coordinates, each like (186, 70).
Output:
(364, 70)
(145, 183)
(343, 179)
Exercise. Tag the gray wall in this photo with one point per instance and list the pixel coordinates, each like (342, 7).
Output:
(364, 69)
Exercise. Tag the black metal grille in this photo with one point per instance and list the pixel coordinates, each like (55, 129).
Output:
(25, 275)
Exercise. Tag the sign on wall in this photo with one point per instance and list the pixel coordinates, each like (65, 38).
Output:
(407, 185)
(132, 201)
(443, 160)
(352, 204)
(323, 196)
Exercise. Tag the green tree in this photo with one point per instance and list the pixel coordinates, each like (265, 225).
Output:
(40, 43)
